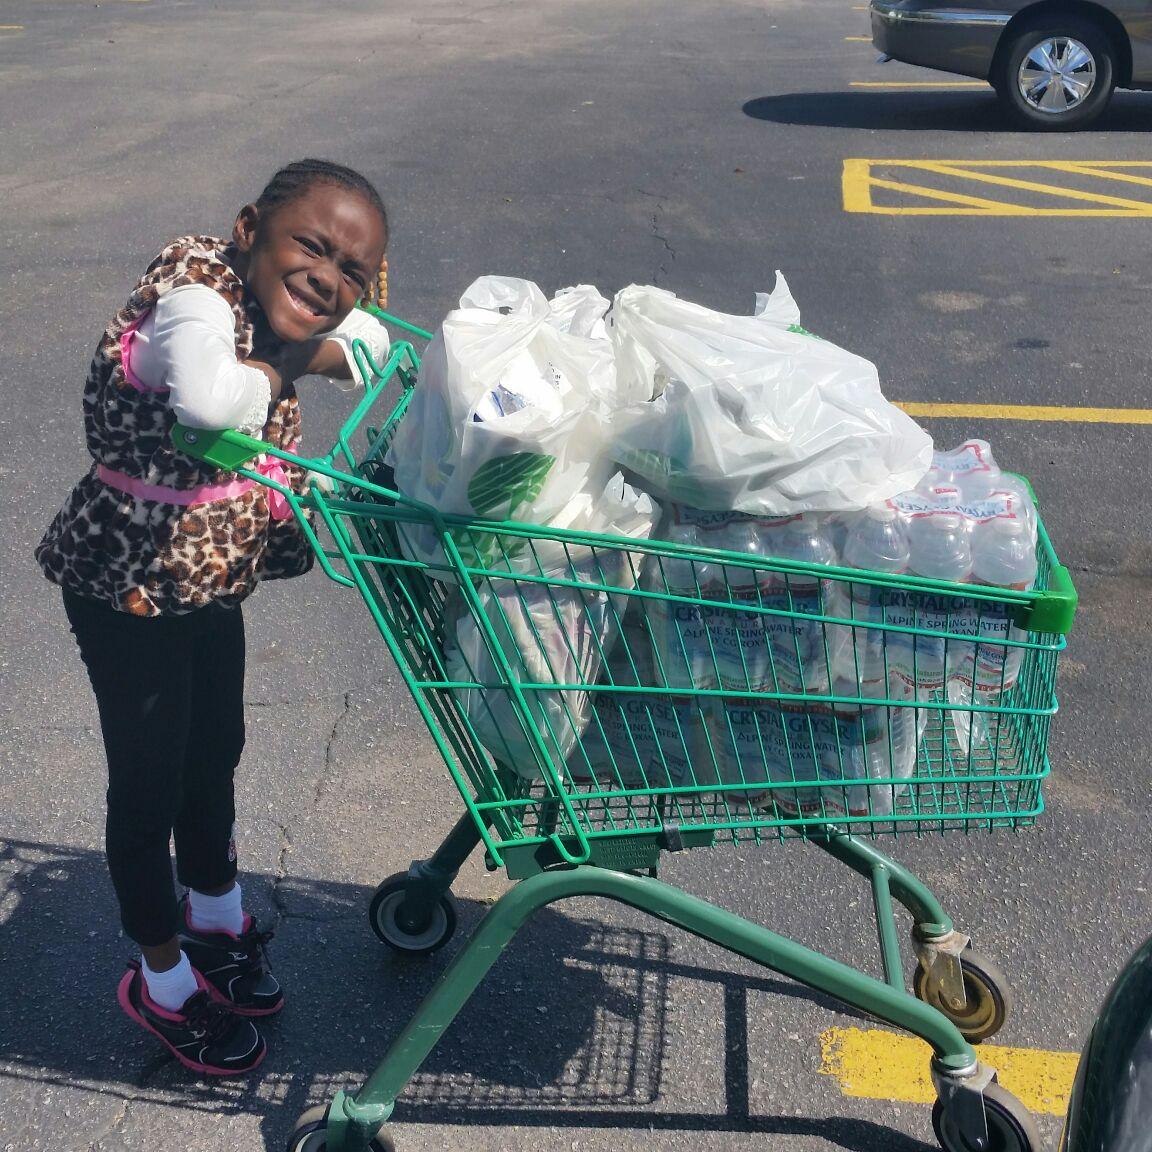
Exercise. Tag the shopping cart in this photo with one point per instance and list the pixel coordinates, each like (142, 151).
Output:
(546, 666)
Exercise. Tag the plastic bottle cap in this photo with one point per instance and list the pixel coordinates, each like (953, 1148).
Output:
(946, 493)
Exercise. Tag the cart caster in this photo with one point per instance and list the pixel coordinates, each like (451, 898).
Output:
(415, 939)
(309, 1134)
(987, 998)
(1010, 1126)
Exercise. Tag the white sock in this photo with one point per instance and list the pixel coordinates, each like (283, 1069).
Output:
(217, 913)
(170, 989)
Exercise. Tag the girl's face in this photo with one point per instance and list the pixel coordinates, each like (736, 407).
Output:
(310, 261)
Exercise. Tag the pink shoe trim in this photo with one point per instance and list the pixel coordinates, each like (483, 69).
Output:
(159, 1009)
(123, 995)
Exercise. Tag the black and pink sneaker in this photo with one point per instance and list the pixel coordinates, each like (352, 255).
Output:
(203, 1035)
(235, 966)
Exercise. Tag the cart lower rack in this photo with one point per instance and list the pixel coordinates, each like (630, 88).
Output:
(594, 700)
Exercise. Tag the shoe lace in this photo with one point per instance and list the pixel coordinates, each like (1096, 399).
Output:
(207, 1019)
(255, 945)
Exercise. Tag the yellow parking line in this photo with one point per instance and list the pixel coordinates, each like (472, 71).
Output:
(11, 27)
(918, 84)
(858, 39)
(1037, 412)
(880, 1065)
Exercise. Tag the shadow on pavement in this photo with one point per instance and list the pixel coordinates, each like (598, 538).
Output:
(920, 111)
(570, 1029)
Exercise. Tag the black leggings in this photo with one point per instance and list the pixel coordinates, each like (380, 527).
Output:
(170, 690)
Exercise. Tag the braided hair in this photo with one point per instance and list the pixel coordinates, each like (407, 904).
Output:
(295, 179)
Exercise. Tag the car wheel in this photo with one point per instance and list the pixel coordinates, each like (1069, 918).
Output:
(1056, 75)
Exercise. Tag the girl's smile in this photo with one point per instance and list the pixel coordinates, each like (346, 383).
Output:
(313, 309)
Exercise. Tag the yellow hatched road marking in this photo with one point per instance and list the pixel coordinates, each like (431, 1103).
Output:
(1101, 172)
(1031, 185)
(859, 181)
(1037, 412)
(881, 1065)
(937, 194)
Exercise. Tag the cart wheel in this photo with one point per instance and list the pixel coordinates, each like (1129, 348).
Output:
(308, 1135)
(1010, 1125)
(382, 914)
(988, 998)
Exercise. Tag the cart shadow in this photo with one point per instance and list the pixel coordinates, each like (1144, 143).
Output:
(570, 1028)
(919, 111)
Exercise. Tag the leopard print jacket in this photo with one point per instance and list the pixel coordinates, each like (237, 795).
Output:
(146, 557)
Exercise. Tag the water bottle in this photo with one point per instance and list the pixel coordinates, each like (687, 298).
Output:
(857, 755)
(619, 748)
(680, 630)
(738, 635)
(769, 743)
(973, 469)
(740, 638)
(795, 741)
(800, 654)
(938, 549)
(1003, 556)
(877, 541)
(686, 659)
(948, 469)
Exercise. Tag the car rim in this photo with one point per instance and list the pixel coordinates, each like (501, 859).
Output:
(1057, 75)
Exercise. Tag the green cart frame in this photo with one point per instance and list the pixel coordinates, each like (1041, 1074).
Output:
(540, 661)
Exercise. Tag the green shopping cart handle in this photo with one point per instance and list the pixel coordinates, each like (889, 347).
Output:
(223, 448)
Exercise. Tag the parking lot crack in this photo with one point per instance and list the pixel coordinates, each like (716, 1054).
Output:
(669, 252)
(278, 901)
(323, 780)
(112, 1125)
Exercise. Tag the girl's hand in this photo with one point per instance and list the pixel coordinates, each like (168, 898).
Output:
(319, 357)
(327, 359)
(287, 363)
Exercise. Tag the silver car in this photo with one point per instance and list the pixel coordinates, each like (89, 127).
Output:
(1053, 65)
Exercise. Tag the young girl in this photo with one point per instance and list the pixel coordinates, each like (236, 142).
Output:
(155, 552)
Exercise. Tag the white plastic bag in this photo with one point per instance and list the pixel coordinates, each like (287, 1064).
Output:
(580, 311)
(549, 633)
(508, 420)
(752, 414)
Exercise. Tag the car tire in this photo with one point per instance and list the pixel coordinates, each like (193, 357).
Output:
(1056, 75)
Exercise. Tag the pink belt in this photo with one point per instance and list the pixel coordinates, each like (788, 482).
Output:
(270, 466)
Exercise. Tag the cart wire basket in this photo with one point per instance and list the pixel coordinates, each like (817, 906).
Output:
(600, 700)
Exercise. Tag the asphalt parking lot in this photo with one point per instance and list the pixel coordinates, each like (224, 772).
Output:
(699, 147)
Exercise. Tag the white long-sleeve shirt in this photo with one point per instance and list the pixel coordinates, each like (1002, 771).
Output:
(187, 344)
